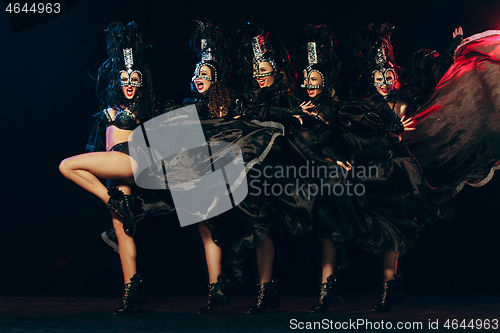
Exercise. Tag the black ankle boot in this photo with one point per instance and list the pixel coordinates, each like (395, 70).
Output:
(329, 294)
(216, 297)
(268, 297)
(133, 295)
(120, 204)
(392, 293)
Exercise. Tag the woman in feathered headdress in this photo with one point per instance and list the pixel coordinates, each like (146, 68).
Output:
(126, 99)
(268, 81)
(211, 75)
(213, 99)
(322, 83)
(266, 74)
(396, 203)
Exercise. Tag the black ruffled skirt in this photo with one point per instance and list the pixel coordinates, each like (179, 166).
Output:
(383, 203)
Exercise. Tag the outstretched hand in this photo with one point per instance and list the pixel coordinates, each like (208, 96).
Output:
(306, 106)
(458, 32)
(408, 123)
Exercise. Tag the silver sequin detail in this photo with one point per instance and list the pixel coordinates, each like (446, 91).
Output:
(472, 38)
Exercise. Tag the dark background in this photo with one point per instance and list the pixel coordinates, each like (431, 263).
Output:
(50, 228)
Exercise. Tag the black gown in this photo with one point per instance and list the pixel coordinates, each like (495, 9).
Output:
(383, 203)
(189, 150)
(269, 209)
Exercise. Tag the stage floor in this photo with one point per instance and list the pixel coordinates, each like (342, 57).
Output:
(419, 313)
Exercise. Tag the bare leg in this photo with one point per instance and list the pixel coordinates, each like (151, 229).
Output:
(133, 283)
(328, 258)
(213, 253)
(390, 265)
(126, 245)
(216, 289)
(268, 297)
(128, 252)
(392, 291)
(330, 283)
(265, 258)
(86, 169)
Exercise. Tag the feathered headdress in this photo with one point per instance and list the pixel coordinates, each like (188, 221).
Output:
(209, 41)
(126, 54)
(374, 52)
(321, 49)
(258, 45)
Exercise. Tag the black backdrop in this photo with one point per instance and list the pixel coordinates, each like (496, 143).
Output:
(50, 228)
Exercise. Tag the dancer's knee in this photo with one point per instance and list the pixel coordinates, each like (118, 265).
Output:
(65, 167)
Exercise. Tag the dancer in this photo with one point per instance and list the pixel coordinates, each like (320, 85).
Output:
(213, 100)
(126, 101)
(228, 142)
(268, 79)
(398, 201)
(322, 83)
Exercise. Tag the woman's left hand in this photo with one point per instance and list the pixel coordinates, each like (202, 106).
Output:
(458, 32)
(408, 123)
(306, 106)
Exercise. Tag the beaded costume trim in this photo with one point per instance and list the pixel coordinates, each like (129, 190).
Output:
(480, 183)
(472, 38)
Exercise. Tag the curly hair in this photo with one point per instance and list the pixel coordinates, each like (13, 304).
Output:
(219, 100)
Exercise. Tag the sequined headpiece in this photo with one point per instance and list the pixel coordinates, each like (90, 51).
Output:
(320, 48)
(206, 59)
(259, 47)
(129, 62)
(206, 53)
(374, 53)
(384, 58)
(211, 44)
(383, 67)
(312, 58)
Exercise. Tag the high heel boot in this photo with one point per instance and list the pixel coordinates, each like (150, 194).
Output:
(392, 293)
(132, 296)
(268, 297)
(120, 204)
(329, 294)
(216, 297)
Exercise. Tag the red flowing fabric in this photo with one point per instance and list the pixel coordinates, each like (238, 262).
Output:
(457, 140)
